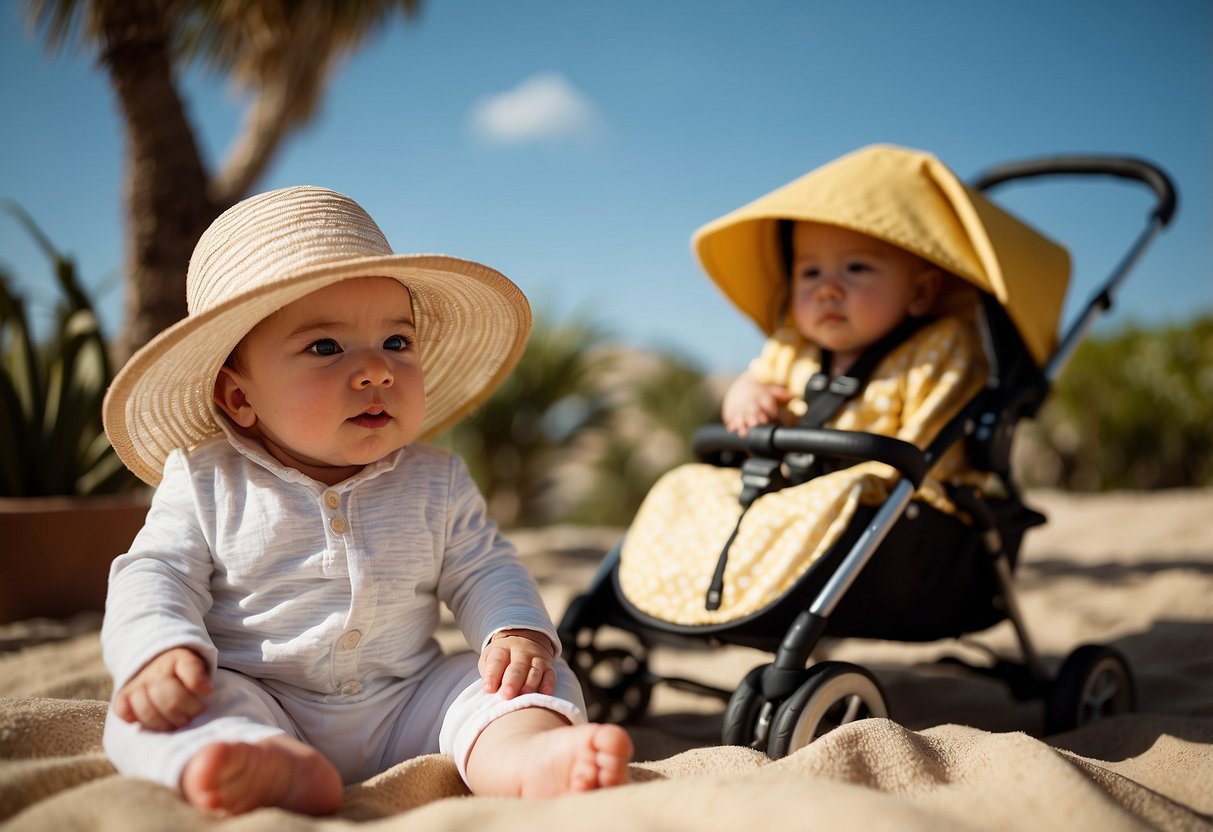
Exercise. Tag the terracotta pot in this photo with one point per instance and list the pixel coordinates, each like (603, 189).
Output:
(55, 552)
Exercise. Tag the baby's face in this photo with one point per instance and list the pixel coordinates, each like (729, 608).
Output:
(849, 290)
(330, 382)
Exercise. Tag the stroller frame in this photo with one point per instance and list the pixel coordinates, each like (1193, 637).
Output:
(781, 706)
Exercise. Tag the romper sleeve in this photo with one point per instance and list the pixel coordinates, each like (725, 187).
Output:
(159, 591)
(482, 581)
(787, 360)
(774, 364)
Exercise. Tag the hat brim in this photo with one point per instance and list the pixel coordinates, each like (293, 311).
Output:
(472, 327)
(909, 199)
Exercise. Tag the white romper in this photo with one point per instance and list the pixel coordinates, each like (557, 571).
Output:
(315, 608)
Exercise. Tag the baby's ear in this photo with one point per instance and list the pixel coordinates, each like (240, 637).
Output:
(926, 288)
(230, 398)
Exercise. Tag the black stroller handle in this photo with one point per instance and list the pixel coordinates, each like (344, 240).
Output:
(1123, 167)
(775, 441)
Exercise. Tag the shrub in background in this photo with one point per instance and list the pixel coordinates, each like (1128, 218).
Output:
(1132, 410)
(516, 443)
(660, 400)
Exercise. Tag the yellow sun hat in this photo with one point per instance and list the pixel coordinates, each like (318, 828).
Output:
(272, 249)
(907, 198)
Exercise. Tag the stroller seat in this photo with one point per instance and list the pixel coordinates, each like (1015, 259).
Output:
(693, 522)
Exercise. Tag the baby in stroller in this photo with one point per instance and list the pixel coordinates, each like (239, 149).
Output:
(911, 323)
(873, 332)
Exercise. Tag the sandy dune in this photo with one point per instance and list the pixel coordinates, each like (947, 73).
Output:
(1134, 570)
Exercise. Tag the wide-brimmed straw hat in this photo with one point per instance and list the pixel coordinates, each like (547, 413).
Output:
(272, 249)
(907, 198)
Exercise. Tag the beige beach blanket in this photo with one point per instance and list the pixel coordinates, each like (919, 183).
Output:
(1133, 570)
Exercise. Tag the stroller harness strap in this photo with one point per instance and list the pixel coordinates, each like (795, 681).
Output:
(824, 397)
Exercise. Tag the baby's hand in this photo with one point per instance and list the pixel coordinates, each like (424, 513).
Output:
(167, 693)
(749, 403)
(517, 662)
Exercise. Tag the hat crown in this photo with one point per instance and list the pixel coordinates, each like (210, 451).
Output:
(267, 238)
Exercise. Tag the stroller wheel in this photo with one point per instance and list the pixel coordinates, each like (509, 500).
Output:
(834, 694)
(742, 711)
(616, 682)
(1093, 683)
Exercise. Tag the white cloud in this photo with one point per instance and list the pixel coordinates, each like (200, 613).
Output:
(544, 106)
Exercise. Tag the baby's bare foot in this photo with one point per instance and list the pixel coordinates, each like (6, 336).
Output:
(234, 778)
(584, 757)
(535, 753)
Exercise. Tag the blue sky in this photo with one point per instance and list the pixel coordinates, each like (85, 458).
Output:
(576, 146)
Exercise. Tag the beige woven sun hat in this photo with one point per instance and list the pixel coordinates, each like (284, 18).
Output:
(907, 198)
(274, 248)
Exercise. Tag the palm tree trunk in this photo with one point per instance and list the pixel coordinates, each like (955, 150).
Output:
(166, 201)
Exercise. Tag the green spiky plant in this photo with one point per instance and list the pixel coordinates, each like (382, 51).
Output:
(51, 439)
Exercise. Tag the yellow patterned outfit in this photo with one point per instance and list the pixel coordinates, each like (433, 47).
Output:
(676, 539)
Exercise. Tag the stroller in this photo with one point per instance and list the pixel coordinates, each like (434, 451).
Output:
(900, 557)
